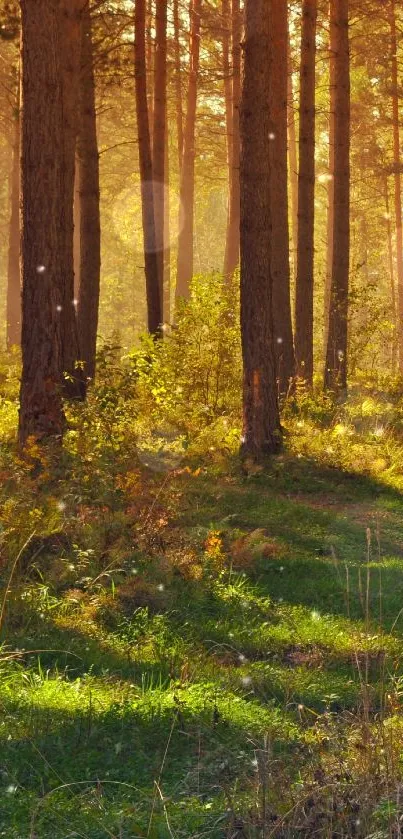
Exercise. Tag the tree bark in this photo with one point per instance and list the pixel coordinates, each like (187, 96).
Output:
(72, 375)
(178, 82)
(160, 138)
(336, 359)
(13, 268)
(306, 197)
(231, 260)
(154, 300)
(391, 276)
(42, 220)
(87, 158)
(330, 183)
(187, 188)
(261, 423)
(227, 77)
(398, 180)
(279, 195)
(293, 163)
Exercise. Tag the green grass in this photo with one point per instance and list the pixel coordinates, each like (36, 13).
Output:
(151, 719)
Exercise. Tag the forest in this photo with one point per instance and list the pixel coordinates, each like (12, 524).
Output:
(201, 419)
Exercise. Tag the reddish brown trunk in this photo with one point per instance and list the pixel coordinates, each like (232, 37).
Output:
(261, 434)
(293, 164)
(330, 185)
(178, 82)
(231, 260)
(185, 241)
(13, 270)
(89, 215)
(398, 184)
(42, 221)
(227, 78)
(306, 196)
(279, 195)
(391, 276)
(336, 359)
(154, 301)
(160, 137)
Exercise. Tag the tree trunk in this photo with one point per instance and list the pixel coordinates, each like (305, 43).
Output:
(306, 196)
(391, 276)
(231, 260)
(336, 360)
(279, 195)
(261, 423)
(178, 82)
(72, 375)
(330, 183)
(154, 301)
(42, 221)
(227, 77)
(186, 223)
(398, 185)
(13, 269)
(293, 163)
(160, 138)
(89, 215)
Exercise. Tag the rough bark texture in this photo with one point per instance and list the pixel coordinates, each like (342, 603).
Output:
(293, 163)
(261, 423)
(336, 360)
(185, 241)
(391, 267)
(178, 82)
(279, 193)
(231, 260)
(42, 220)
(160, 137)
(70, 40)
(13, 266)
(88, 193)
(398, 179)
(306, 196)
(330, 185)
(154, 301)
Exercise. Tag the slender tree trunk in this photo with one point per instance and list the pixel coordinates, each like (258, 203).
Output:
(398, 184)
(89, 216)
(42, 221)
(13, 270)
(391, 276)
(279, 194)
(306, 196)
(330, 183)
(231, 260)
(185, 241)
(160, 138)
(178, 82)
(261, 423)
(154, 301)
(149, 61)
(336, 359)
(227, 77)
(293, 163)
(167, 239)
(72, 375)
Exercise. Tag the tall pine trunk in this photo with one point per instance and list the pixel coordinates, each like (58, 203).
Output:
(293, 162)
(87, 161)
(330, 184)
(261, 423)
(153, 292)
(279, 193)
(42, 220)
(13, 267)
(231, 260)
(178, 82)
(70, 39)
(187, 188)
(336, 359)
(397, 178)
(306, 196)
(160, 138)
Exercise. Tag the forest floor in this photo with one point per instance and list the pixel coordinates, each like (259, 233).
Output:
(205, 651)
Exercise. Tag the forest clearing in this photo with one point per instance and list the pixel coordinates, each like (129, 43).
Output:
(201, 419)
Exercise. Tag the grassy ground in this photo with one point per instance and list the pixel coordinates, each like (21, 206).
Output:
(208, 651)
